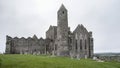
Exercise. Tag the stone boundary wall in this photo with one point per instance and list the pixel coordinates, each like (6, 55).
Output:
(109, 58)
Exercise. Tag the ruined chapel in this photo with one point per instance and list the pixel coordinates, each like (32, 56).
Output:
(59, 41)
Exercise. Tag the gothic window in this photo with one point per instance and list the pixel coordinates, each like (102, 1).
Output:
(85, 45)
(55, 46)
(81, 44)
(70, 40)
(76, 44)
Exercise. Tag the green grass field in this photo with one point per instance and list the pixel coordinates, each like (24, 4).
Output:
(33, 61)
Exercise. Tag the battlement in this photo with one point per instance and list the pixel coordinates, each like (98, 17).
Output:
(23, 38)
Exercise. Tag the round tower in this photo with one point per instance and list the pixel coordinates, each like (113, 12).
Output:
(62, 32)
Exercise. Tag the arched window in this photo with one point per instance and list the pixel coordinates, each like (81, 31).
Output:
(76, 45)
(85, 45)
(55, 46)
(81, 44)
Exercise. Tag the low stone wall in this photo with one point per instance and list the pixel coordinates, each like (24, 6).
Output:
(109, 58)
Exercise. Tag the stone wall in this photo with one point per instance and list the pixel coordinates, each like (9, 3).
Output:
(109, 58)
(81, 42)
(25, 45)
(51, 33)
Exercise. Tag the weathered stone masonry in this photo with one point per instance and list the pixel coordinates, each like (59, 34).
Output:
(60, 41)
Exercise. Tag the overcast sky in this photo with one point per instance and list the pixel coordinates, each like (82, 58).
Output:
(24, 18)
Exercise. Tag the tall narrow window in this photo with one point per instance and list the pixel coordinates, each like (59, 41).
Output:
(70, 40)
(85, 45)
(81, 44)
(76, 44)
(55, 46)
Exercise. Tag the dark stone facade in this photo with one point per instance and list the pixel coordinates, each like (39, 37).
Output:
(60, 41)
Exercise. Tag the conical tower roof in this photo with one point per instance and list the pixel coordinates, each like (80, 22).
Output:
(62, 8)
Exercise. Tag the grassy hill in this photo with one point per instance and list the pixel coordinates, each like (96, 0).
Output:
(32, 61)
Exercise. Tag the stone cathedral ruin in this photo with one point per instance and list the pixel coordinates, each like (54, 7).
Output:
(59, 41)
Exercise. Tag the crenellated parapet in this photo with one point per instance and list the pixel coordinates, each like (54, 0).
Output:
(8, 38)
(24, 45)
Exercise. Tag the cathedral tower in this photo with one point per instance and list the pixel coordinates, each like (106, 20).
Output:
(62, 32)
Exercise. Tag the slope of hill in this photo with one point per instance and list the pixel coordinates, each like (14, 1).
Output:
(33, 61)
(107, 54)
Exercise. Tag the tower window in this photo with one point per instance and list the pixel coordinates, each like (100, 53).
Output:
(63, 12)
